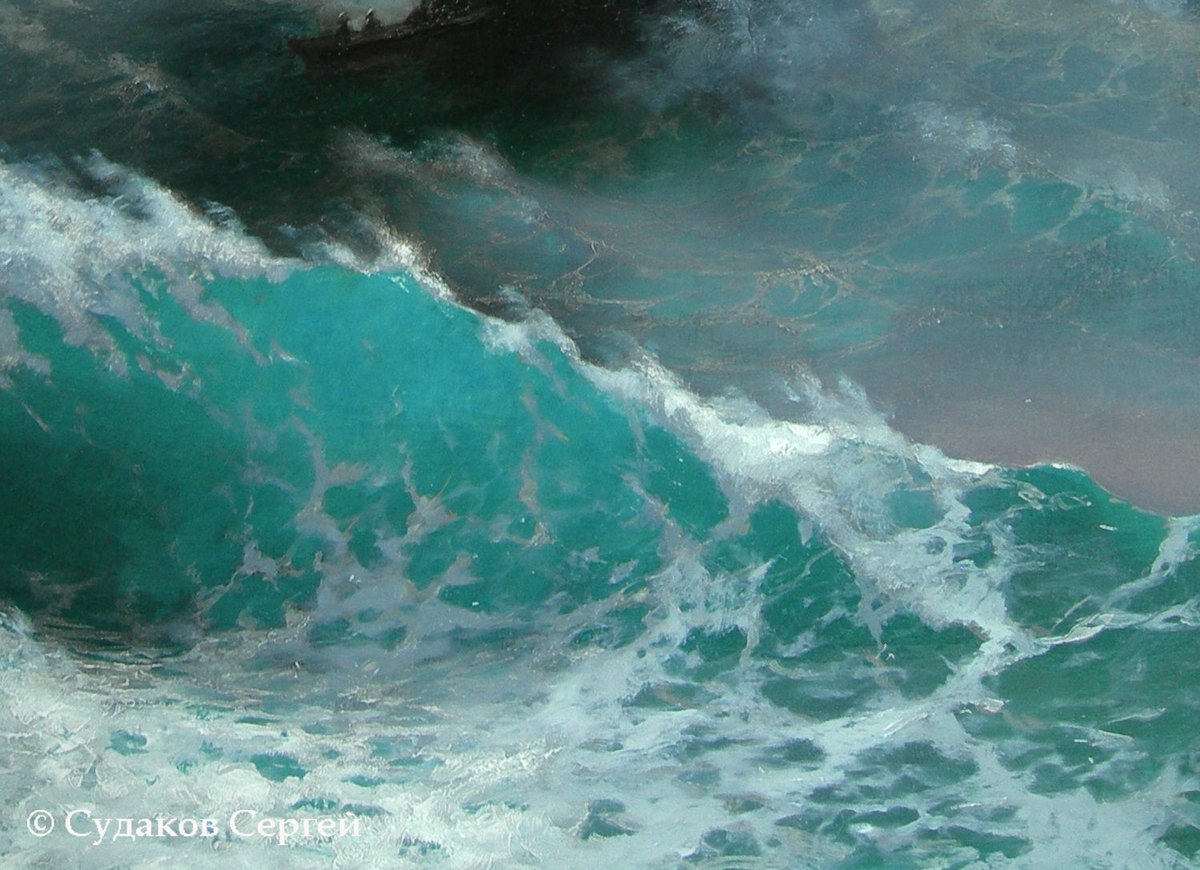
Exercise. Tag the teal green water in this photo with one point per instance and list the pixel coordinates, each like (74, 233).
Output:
(506, 468)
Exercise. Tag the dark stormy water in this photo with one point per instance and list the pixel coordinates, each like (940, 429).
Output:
(663, 434)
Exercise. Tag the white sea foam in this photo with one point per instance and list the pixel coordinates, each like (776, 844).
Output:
(839, 469)
(76, 257)
(449, 161)
(1181, 544)
(747, 50)
(80, 256)
(964, 133)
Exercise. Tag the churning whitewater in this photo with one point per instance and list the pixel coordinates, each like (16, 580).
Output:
(734, 434)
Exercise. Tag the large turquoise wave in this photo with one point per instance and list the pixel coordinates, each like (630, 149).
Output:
(311, 537)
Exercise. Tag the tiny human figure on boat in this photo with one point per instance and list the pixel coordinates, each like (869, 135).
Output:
(343, 26)
(372, 23)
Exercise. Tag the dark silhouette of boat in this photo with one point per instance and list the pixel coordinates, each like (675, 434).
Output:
(374, 40)
(508, 29)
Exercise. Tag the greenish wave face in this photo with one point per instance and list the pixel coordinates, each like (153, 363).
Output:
(493, 461)
(349, 420)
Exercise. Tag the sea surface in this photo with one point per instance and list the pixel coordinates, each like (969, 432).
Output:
(693, 433)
